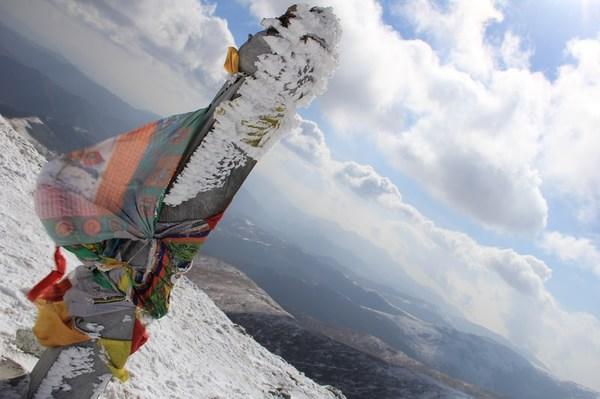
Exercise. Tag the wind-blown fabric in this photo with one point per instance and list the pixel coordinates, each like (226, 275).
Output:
(114, 189)
(96, 201)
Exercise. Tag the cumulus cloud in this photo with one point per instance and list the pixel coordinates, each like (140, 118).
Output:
(524, 273)
(499, 195)
(266, 8)
(581, 252)
(444, 113)
(466, 118)
(458, 30)
(468, 114)
(365, 181)
(503, 125)
(308, 142)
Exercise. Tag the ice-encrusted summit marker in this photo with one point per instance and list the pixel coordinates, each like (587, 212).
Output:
(136, 208)
(303, 55)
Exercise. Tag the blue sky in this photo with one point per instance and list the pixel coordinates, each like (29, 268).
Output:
(461, 136)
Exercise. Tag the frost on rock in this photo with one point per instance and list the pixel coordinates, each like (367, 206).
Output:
(71, 362)
(304, 55)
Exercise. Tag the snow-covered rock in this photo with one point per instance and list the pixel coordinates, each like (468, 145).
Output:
(36, 131)
(302, 59)
(194, 352)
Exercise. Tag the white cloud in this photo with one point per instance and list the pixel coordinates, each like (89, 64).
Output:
(186, 34)
(524, 273)
(266, 8)
(496, 192)
(365, 181)
(571, 145)
(513, 132)
(308, 142)
(581, 252)
(474, 147)
(464, 129)
(512, 53)
(458, 30)
(467, 118)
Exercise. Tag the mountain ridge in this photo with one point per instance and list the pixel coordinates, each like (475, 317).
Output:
(357, 372)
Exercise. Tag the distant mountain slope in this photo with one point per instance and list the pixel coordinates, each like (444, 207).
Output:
(79, 112)
(326, 239)
(194, 352)
(360, 374)
(70, 78)
(356, 257)
(372, 345)
(307, 286)
(70, 117)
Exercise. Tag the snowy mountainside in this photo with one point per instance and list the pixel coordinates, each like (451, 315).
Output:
(197, 352)
(34, 130)
(194, 352)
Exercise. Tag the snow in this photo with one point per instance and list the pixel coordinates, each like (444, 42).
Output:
(304, 57)
(194, 352)
(197, 352)
(25, 249)
(22, 125)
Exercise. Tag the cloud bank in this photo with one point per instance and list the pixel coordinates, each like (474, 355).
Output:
(467, 118)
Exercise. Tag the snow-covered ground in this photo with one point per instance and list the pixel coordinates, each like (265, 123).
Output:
(194, 352)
